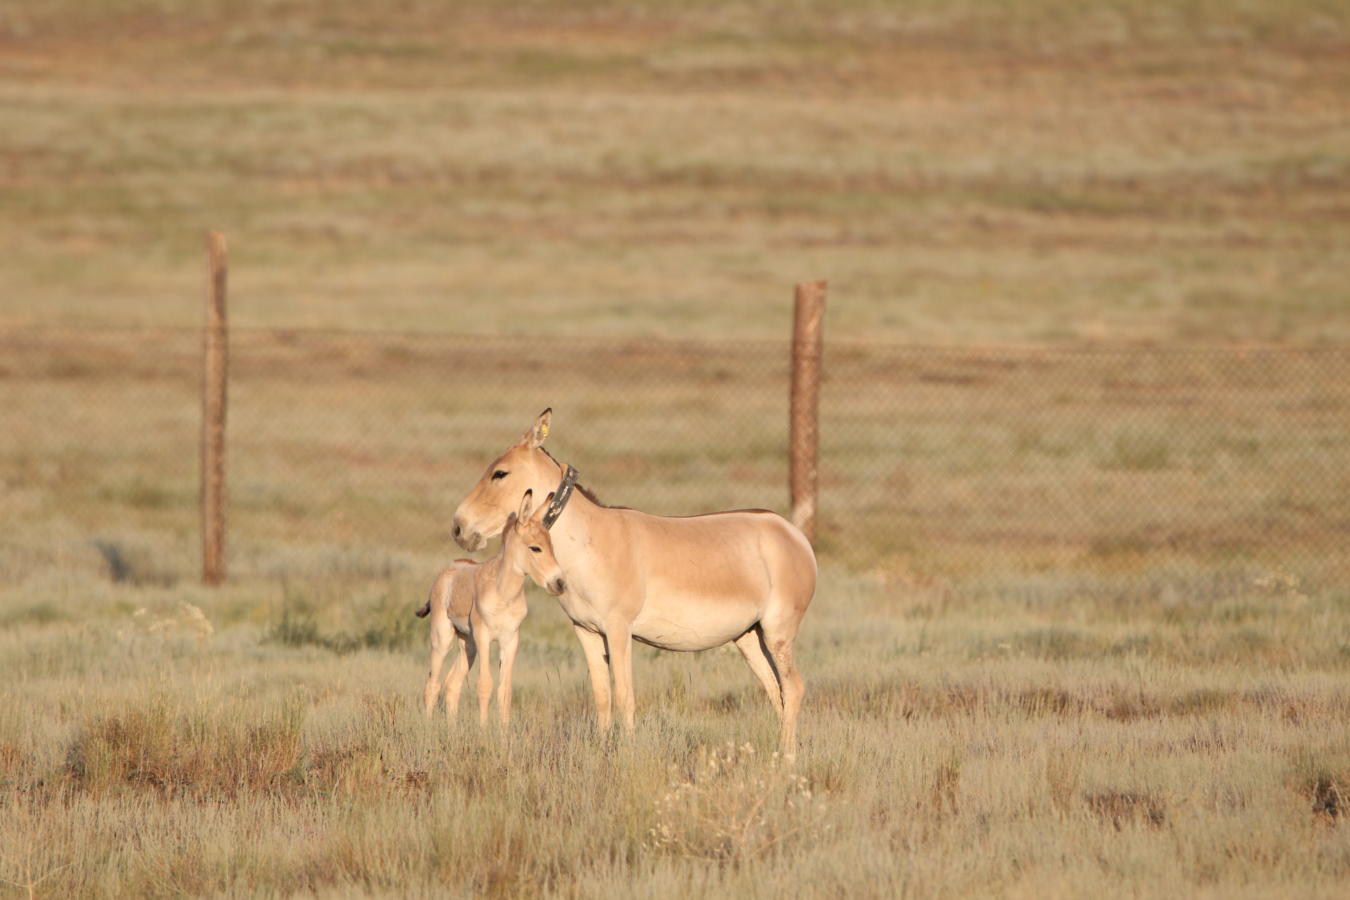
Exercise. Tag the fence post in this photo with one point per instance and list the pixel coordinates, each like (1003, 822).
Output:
(804, 412)
(215, 359)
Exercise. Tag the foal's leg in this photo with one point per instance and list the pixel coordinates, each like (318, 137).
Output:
(454, 680)
(593, 645)
(485, 678)
(442, 640)
(752, 648)
(506, 650)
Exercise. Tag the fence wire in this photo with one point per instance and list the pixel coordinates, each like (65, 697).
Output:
(952, 462)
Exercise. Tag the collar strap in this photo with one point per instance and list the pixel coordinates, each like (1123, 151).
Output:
(560, 497)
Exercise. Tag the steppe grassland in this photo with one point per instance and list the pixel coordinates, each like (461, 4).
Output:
(991, 709)
(958, 746)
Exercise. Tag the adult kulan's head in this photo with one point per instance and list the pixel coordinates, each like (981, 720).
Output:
(527, 548)
(523, 467)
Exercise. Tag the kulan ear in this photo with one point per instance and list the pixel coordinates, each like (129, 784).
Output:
(525, 503)
(543, 507)
(534, 437)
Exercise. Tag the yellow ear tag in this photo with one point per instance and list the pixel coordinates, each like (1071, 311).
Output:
(543, 431)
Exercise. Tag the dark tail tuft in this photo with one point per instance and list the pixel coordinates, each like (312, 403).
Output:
(425, 610)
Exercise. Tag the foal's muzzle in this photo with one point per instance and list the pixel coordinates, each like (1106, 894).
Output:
(556, 586)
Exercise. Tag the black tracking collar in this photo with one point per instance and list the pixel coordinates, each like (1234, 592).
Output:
(560, 497)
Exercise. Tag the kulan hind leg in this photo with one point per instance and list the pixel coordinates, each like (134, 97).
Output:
(751, 646)
(779, 637)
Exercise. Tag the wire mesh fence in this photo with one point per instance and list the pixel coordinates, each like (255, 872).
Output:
(935, 462)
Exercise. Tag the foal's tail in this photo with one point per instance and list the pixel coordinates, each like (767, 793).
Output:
(441, 580)
(425, 609)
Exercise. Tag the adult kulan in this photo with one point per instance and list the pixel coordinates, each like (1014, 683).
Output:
(679, 583)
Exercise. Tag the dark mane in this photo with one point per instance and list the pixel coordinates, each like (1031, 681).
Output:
(585, 491)
(590, 495)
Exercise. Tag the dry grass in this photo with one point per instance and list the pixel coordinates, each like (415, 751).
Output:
(1000, 701)
(1083, 626)
(947, 756)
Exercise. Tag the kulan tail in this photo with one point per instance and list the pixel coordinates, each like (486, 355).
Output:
(424, 611)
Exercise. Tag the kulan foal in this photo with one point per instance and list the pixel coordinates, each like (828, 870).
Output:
(476, 603)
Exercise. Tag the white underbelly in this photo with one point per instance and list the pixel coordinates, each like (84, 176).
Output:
(685, 630)
(684, 622)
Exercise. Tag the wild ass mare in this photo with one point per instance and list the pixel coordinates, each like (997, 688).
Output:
(477, 602)
(745, 576)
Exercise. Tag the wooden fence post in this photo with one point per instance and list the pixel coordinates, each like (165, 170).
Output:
(215, 360)
(804, 413)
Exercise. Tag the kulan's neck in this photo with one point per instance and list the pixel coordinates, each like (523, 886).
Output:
(573, 534)
(579, 509)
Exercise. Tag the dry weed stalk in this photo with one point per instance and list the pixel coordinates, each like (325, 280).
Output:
(187, 620)
(732, 807)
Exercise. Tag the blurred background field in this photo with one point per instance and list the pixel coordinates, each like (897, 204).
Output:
(950, 462)
(1085, 502)
(960, 171)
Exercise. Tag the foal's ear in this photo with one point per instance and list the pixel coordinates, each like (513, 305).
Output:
(510, 524)
(543, 507)
(525, 503)
(538, 431)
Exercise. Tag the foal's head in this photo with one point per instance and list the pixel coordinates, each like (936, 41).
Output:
(523, 467)
(526, 546)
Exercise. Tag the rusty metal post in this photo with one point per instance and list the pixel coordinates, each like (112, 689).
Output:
(215, 361)
(804, 413)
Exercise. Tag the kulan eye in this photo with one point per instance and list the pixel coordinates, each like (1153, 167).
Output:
(498, 474)
(537, 549)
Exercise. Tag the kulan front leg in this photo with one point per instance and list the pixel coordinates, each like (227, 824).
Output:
(620, 641)
(507, 645)
(593, 645)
